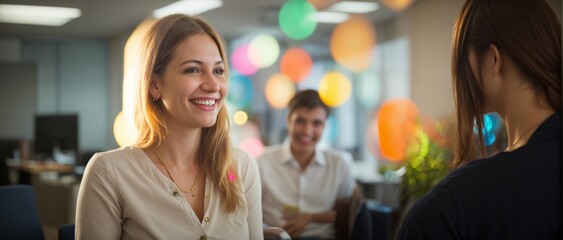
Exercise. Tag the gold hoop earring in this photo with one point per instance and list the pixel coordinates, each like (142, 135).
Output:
(154, 99)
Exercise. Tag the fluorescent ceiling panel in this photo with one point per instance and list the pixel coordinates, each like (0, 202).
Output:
(37, 15)
(188, 7)
(330, 17)
(354, 7)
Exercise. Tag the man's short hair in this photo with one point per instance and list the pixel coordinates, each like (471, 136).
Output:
(308, 99)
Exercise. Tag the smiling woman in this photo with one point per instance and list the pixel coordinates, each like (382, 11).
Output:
(182, 179)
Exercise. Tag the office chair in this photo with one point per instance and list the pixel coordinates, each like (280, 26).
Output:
(381, 219)
(362, 219)
(66, 232)
(19, 218)
(352, 218)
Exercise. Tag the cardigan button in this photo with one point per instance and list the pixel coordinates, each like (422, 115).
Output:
(203, 237)
(175, 193)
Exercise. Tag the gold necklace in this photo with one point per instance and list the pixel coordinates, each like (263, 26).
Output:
(510, 146)
(171, 178)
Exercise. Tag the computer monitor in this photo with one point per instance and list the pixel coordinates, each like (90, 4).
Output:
(53, 131)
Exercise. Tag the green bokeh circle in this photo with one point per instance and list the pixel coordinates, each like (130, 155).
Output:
(296, 19)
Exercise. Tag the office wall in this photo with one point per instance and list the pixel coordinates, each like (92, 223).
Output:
(10, 49)
(428, 25)
(73, 78)
(430, 29)
(18, 99)
(116, 61)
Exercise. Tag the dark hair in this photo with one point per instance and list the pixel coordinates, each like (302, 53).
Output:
(526, 31)
(308, 99)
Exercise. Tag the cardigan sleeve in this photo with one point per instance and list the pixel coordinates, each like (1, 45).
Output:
(98, 212)
(253, 195)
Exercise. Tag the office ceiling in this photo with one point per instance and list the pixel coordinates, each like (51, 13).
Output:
(109, 18)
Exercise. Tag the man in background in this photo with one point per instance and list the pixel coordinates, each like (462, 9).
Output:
(300, 182)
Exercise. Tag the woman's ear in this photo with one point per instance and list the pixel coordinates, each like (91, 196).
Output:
(155, 88)
(496, 59)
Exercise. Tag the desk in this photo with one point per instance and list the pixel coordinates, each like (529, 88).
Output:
(56, 200)
(36, 167)
(28, 170)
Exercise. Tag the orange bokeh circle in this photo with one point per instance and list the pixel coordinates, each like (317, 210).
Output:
(352, 43)
(279, 90)
(396, 121)
(296, 63)
(397, 5)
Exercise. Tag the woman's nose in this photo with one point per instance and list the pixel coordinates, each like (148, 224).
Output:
(210, 83)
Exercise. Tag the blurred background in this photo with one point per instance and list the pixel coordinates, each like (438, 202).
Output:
(384, 65)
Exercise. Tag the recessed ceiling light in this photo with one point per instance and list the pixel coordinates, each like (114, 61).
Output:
(354, 7)
(189, 7)
(330, 17)
(37, 15)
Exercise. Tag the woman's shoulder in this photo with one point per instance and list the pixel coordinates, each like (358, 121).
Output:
(115, 156)
(241, 157)
(243, 161)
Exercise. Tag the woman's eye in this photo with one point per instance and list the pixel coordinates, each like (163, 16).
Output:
(191, 70)
(219, 71)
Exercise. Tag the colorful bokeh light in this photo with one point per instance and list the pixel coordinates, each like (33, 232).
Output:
(352, 43)
(368, 88)
(124, 132)
(397, 5)
(240, 92)
(241, 61)
(240, 117)
(396, 122)
(279, 90)
(263, 50)
(296, 19)
(492, 124)
(372, 138)
(331, 130)
(253, 146)
(296, 63)
(335, 89)
(489, 138)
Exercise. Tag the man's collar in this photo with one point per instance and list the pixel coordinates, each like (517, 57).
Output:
(287, 155)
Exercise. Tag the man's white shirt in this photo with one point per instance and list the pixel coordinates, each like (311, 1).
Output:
(326, 179)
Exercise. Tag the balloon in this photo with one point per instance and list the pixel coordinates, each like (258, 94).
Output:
(279, 90)
(335, 89)
(296, 19)
(396, 122)
(241, 61)
(296, 63)
(352, 43)
(263, 50)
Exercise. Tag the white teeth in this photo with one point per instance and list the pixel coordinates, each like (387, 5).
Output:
(305, 139)
(204, 102)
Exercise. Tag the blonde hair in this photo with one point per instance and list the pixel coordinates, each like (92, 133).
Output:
(215, 151)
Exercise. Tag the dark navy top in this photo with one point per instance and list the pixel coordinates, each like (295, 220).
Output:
(512, 195)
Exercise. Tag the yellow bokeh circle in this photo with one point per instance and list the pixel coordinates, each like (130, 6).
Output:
(352, 43)
(125, 133)
(279, 90)
(335, 89)
(240, 117)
